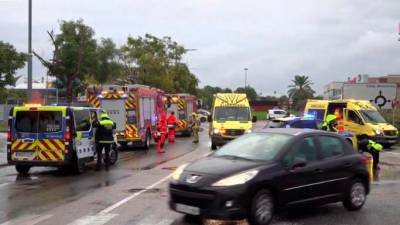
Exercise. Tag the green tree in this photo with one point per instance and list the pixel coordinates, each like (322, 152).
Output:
(301, 86)
(10, 62)
(157, 62)
(250, 91)
(300, 91)
(107, 63)
(74, 55)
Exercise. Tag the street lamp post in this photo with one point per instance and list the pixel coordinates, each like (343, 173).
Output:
(245, 77)
(30, 50)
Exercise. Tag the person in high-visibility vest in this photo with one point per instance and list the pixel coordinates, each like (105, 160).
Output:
(104, 138)
(171, 121)
(330, 123)
(373, 148)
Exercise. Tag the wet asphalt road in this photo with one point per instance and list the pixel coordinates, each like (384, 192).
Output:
(134, 192)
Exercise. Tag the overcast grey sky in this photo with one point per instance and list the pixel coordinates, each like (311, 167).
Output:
(326, 40)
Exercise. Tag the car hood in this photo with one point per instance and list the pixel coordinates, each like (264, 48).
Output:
(213, 165)
(382, 126)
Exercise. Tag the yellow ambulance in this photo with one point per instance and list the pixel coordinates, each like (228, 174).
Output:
(359, 117)
(230, 117)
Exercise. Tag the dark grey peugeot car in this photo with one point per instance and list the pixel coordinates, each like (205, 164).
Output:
(260, 173)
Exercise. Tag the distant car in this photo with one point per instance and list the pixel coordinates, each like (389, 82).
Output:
(292, 122)
(260, 173)
(203, 115)
(276, 113)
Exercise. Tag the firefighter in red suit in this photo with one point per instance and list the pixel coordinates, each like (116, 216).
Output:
(171, 121)
(162, 130)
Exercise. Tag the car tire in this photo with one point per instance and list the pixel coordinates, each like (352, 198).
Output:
(213, 146)
(22, 169)
(356, 196)
(192, 219)
(262, 208)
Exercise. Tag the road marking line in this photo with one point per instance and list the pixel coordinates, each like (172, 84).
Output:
(134, 195)
(27, 220)
(94, 220)
(127, 199)
(4, 184)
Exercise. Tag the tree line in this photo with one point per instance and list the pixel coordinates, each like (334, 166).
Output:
(78, 59)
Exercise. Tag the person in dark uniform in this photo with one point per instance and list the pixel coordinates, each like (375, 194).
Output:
(104, 138)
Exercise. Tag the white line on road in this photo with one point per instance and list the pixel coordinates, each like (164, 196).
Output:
(127, 199)
(4, 184)
(27, 220)
(94, 220)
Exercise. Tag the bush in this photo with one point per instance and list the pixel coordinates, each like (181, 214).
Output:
(260, 115)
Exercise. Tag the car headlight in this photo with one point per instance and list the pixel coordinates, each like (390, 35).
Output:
(240, 178)
(378, 132)
(248, 131)
(216, 131)
(178, 172)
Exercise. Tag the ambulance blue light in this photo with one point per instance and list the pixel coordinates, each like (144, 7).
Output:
(309, 116)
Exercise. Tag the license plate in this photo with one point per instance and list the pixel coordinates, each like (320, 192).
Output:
(187, 209)
(25, 154)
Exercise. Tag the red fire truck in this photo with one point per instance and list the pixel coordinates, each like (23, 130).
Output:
(183, 105)
(134, 108)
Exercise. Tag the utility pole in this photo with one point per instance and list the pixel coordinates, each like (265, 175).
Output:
(245, 77)
(30, 51)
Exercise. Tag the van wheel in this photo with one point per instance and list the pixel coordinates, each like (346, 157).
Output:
(79, 166)
(113, 155)
(262, 208)
(22, 169)
(356, 196)
(213, 146)
(146, 143)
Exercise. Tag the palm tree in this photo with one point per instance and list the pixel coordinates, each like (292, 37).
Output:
(301, 87)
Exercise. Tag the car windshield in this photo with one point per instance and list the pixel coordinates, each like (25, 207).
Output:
(371, 116)
(232, 114)
(256, 146)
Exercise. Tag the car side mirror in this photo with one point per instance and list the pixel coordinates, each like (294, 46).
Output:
(298, 162)
(209, 118)
(254, 119)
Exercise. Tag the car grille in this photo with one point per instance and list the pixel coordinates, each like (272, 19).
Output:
(234, 132)
(196, 199)
(390, 133)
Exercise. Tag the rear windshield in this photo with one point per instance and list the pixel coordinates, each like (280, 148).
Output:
(38, 121)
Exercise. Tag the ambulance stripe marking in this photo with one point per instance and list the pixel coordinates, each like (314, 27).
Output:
(44, 145)
(54, 153)
(48, 142)
(45, 155)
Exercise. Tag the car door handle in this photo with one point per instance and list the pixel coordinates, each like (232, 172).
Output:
(348, 165)
(318, 171)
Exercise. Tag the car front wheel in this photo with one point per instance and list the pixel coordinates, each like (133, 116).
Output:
(262, 208)
(356, 196)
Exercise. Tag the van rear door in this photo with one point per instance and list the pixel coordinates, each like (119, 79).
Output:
(39, 135)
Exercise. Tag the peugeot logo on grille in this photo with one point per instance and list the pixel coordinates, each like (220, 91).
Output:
(192, 179)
